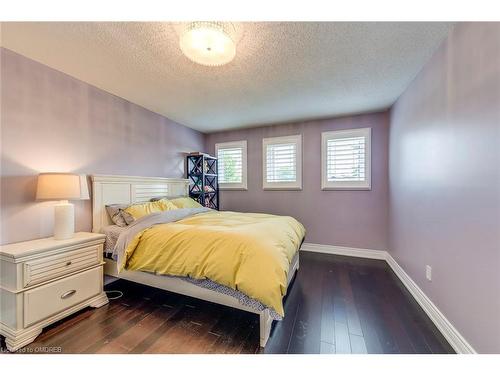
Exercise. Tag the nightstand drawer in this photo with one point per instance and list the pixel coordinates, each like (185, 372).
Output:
(49, 299)
(51, 267)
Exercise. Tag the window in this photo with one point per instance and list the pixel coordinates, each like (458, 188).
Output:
(232, 160)
(282, 162)
(345, 159)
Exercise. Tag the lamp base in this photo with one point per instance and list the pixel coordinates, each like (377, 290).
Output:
(64, 220)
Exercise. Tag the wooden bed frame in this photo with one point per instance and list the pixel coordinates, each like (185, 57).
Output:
(109, 189)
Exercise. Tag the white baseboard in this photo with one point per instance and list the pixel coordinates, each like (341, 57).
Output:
(342, 250)
(450, 333)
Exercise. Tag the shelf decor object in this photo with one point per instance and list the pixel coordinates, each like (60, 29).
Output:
(63, 187)
(203, 178)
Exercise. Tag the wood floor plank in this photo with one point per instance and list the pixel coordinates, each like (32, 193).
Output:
(326, 348)
(174, 315)
(342, 339)
(358, 345)
(95, 336)
(125, 341)
(121, 328)
(196, 327)
(206, 319)
(365, 313)
(307, 330)
(353, 322)
(396, 317)
(382, 327)
(173, 338)
(241, 335)
(228, 331)
(252, 344)
(327, 311)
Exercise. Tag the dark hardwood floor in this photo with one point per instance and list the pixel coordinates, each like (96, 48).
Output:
(335, 305)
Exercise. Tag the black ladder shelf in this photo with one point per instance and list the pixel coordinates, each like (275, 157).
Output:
(203, 179)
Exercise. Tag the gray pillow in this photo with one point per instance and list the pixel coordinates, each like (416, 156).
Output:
(118, 215)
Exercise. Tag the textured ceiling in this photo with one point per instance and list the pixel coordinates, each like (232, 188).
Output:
(282, 71)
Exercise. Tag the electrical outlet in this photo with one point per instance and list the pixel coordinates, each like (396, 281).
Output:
(428, 272)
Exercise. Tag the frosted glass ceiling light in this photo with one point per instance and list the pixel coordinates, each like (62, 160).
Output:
(207, 43)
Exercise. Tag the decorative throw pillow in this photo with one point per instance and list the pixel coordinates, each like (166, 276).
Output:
(166, 205)
(142, 209)
(118, 215)
(129, 219)
(162, 197)
(185, 202)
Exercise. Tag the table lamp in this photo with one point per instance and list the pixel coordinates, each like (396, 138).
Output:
(62, 187)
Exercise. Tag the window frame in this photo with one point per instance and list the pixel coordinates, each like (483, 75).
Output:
(234, 144)
(295, 185)
(346, 185)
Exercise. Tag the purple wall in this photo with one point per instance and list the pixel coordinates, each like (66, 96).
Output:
(342, 218)
(53, 122)
(445, 181)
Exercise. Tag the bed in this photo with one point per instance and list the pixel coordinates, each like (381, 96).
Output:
(131, 189)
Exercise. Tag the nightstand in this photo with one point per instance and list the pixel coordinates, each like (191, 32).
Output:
(45, 280)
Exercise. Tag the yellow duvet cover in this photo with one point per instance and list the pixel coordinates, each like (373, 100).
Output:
(245, 251)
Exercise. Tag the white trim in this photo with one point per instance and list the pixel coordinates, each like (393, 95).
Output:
(342, 250)
(129, 179)
(450, 333)
(346, 185)
(235, 144)
(294, 185)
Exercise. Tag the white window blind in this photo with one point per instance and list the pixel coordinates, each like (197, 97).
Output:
(231, 158)
(282, 162)
(346, 159)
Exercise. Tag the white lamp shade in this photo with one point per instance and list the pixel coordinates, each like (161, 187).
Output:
(61, 186)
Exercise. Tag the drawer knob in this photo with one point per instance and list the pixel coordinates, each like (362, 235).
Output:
(68, 263)
(68, 294)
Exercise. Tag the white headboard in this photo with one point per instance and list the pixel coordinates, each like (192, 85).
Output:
(128, 190)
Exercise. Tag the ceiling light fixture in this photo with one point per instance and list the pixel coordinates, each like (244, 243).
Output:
(208, 43)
